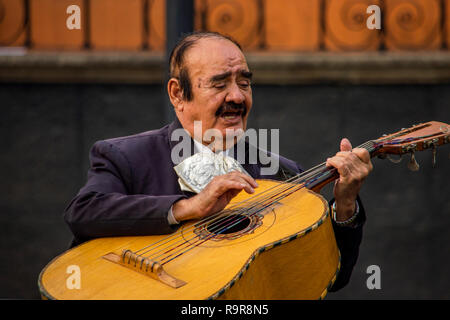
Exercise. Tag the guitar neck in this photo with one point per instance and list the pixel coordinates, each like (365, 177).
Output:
(323, 175)
(419, 137)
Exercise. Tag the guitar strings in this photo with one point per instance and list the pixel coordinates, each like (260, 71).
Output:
(229, 222)
(220, 214)
(213, 219)
(233, 223)
(366, 145)
(243, 217)
(311, 171)
(212, 235)
(315, 172)
(226, 227)
(400, 141)
(305, 175)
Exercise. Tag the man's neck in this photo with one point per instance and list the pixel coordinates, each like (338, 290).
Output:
(203, 148)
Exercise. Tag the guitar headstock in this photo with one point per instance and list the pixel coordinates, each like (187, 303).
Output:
(429, 135)
(416, 138)
(419, 137)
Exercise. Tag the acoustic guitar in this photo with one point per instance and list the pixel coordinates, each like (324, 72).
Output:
(277, 243)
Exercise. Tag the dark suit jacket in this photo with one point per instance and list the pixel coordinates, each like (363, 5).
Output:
(131, 186)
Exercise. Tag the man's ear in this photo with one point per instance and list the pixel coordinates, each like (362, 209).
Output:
(175, 94)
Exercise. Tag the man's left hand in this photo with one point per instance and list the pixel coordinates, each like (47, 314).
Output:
(353, 167)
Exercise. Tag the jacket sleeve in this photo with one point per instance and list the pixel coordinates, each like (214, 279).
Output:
(348, 240)
(105, 206)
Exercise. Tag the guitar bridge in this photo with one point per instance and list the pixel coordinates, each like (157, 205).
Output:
(145, 266)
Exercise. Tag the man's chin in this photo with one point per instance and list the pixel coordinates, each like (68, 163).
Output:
(231, 134)
(233, 131)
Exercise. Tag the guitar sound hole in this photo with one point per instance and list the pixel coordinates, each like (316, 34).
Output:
(229, 224)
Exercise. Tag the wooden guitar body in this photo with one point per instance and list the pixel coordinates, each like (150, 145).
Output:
(286, 252)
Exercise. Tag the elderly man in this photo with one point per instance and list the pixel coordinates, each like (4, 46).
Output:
(133, 189)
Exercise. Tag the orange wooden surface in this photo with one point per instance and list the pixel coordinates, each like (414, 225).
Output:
(292, 25)
(346, 26)
(272, 25)
(12, 15)
(156, 15)
(447, 23)
(413, 24)
(48, 25)
(239, 19)
(116, 24)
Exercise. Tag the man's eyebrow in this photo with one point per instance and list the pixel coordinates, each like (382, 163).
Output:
(220, 77)
(223, 76)
(247, 74)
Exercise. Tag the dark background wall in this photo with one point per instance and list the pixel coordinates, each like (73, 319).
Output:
(47, 130)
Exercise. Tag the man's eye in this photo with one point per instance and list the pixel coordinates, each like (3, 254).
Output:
(220, 86)
(244, 84)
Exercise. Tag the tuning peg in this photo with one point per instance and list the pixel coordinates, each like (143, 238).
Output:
(412, 164)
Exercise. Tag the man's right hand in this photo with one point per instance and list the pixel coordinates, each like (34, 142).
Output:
(214, 197)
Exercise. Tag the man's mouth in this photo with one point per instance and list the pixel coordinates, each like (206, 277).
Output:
(231, 111)
(231, 115)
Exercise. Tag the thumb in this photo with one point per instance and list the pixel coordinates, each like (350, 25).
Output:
(346, 145)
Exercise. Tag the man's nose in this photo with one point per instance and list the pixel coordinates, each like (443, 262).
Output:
(235, 94)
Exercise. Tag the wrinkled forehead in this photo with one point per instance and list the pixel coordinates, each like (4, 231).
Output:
(213, 56)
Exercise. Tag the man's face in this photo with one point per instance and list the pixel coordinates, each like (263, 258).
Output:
(220, 80)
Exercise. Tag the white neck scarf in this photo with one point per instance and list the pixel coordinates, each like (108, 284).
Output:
(197, 171)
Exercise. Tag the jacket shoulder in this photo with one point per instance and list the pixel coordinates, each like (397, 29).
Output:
(133, 142)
